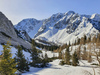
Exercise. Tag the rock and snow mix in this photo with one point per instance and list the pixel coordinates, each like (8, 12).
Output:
(61, 27)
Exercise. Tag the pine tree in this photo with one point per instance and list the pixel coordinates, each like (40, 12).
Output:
(45, 60)
(7, 63)
(34, 56)
(46, 56)
(75, 59)
(22, 63)
(69, 44)
(85, 39)
(67, 56)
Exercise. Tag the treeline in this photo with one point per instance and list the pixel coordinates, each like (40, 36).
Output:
(82, 41)
(87, 47)
(50, 48)
(67, 57)
(89, 39)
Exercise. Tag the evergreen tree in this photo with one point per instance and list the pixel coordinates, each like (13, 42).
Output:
(75, 59)
(34, 56)
(22, 63)
(85, 39)
(67, 56)
(75, 42)
(45, 60)
(46, 56)
(7, 63)
(69, 44)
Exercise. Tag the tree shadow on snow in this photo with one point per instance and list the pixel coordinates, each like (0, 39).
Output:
(34, 70)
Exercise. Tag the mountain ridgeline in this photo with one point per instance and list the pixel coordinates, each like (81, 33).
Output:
(60, 28)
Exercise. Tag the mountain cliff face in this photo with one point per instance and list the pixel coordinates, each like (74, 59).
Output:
(8, 33)
(61, 28)
(6, 26)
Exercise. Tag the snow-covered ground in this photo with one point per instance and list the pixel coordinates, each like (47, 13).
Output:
(27, 54)
(50, 53)
(14, 50)
(56, 69)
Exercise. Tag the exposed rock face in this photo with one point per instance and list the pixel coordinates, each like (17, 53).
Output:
(24, 35)
(62, 27)
(6, 26)
(7, 33)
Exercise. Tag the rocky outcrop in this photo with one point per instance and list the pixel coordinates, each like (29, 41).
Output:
(8, 33)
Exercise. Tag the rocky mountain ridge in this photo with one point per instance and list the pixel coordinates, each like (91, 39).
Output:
(8, 33)
(61, 28)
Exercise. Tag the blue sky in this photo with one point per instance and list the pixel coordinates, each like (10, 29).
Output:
(16, 10)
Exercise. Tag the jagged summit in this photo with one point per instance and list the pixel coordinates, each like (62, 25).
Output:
(62, 27)
(95, 17)
(69, 12)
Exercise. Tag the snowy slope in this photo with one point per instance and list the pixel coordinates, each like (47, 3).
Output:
(61, 28)
(31, 26)
(27, 54)
(56, 69)
(14, 50)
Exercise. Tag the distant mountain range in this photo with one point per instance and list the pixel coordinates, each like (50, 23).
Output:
(60, 28)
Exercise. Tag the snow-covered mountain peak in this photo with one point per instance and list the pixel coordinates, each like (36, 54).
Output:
(95, 17)
(30, 25)
(69, 13)
(26, 24)
(62, 27)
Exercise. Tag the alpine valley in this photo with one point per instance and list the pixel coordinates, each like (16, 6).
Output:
(63, 44)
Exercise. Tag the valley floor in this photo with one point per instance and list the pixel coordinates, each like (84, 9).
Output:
(56, 69)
